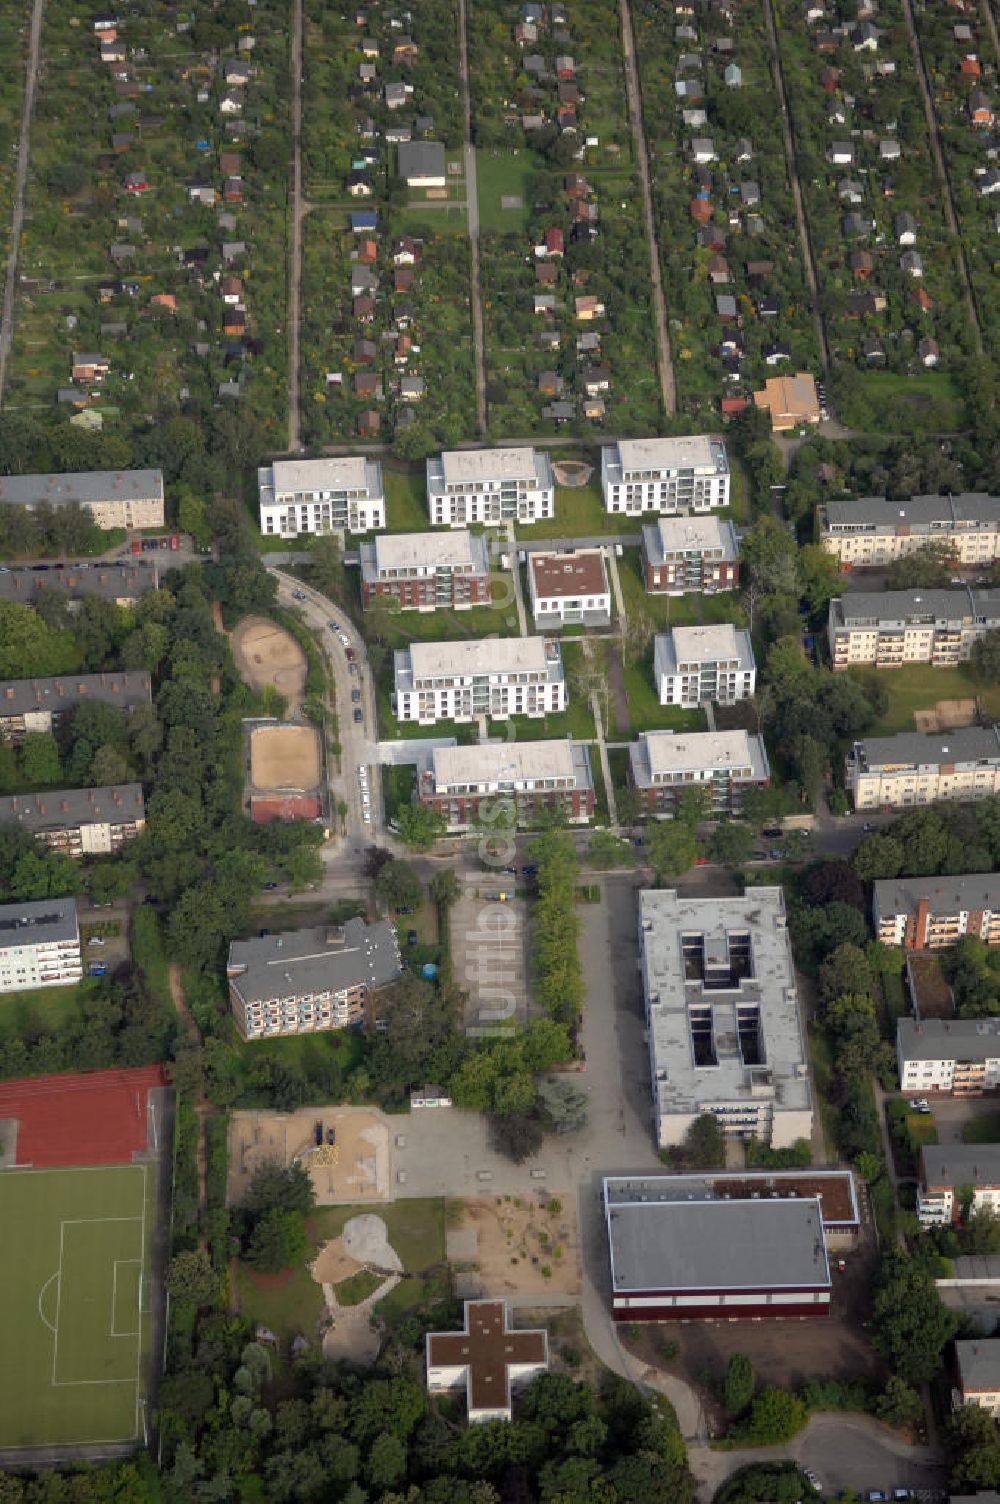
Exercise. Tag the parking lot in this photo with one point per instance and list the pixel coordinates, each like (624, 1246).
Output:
(489, 942)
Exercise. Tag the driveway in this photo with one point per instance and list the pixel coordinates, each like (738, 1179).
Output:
(846, 1451)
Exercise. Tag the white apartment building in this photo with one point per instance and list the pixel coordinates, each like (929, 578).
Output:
(665, 475)
(978, 1363)
(491, 676)
(569, 588)
(690, 553)
(489, 486)
(39, 945)
(870, 532)
(114, 498)
(722, 1016)
(318, 496)
(508, 777)
(956, 1055)
(662, 764)
(695, 665)
(945, 1170)
(910, 768)
(891, 628)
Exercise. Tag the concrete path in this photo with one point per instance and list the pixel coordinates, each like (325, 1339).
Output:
(472, 211)
(515, 571)
(616, 584)
(17, 219)
(297, 214)
(664, 359)
(602, 752)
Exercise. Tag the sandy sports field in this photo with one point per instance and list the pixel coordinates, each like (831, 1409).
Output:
(284, 757)
(266, 654)
(355, 1168)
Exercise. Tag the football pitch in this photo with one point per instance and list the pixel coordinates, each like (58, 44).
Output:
(74, 1304)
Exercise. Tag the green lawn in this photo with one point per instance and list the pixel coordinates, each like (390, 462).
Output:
(662, 610)
(75, 1328)
(405, 499)
(357, 1287)
(982, 1130)
(580, 513)
(900, 399)
(49, 1008)
(499, 620)
(291, 1304)
(645, 710)
(920, 686)
(501, 174)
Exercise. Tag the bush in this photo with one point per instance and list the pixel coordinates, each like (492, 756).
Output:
(775, 1416)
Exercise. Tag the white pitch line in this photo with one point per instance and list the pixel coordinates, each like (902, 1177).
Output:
(40, 1295)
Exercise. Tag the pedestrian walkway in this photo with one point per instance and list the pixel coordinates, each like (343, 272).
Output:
(522, 619)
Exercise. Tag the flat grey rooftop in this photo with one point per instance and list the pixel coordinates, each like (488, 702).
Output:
(717, 1245)
(47, 922)
(458, 469)
(314, 960)
(968, 894)
(967, 744)
(979, 1363)
(949, 1038)
(81, 486)
(779, 1070)
(961, 1164)
(970, 506)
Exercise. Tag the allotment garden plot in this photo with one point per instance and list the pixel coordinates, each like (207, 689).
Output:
(74, 1304)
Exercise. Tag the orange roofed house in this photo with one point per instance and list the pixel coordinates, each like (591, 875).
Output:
(790, 400)
(488, 1358)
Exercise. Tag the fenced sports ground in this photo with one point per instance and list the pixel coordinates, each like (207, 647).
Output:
(84, 1192)
(76, 1285)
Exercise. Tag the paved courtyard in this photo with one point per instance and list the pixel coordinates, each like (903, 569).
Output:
(489, 944)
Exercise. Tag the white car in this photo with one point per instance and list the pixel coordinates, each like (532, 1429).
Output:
(345, 639)
(367, 816)
(96, 940)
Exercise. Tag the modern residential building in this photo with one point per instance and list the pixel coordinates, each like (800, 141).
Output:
(695, 665)
(310, 980)
(926, 913)
(39, 945)
(569, 589)
(80, 822)
(956, 1055)
(426, 571)
(977, 1367)
(681, 554)
(529, 775)
(912, 767)
(665, 475)
(945, 1173)
(123, 583)
(491, 676)
(891, 628)
(487, 1359)
(38, 704)
(870, 531)
(317, 496)
(662, 764)
(114, 498)
(722, 1016)
(489, 486)
(681, 1249)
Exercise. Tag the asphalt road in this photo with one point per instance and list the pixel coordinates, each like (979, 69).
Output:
(357, 742)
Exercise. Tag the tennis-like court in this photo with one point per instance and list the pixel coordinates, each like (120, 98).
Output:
(75, 1295)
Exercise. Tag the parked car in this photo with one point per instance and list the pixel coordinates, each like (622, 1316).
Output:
(350, 654)
(331, 1135)
(97, 969)
(270, 887)
(358, 717)
(868, 827)
(298, 595)
(773, 832)
(334, 626)
(96, 940)
(318, 1133)
(807, 1472)
(411, 937)
(353, 667)
(356, 696)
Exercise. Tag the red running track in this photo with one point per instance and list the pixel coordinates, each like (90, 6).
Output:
(91, 1118)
